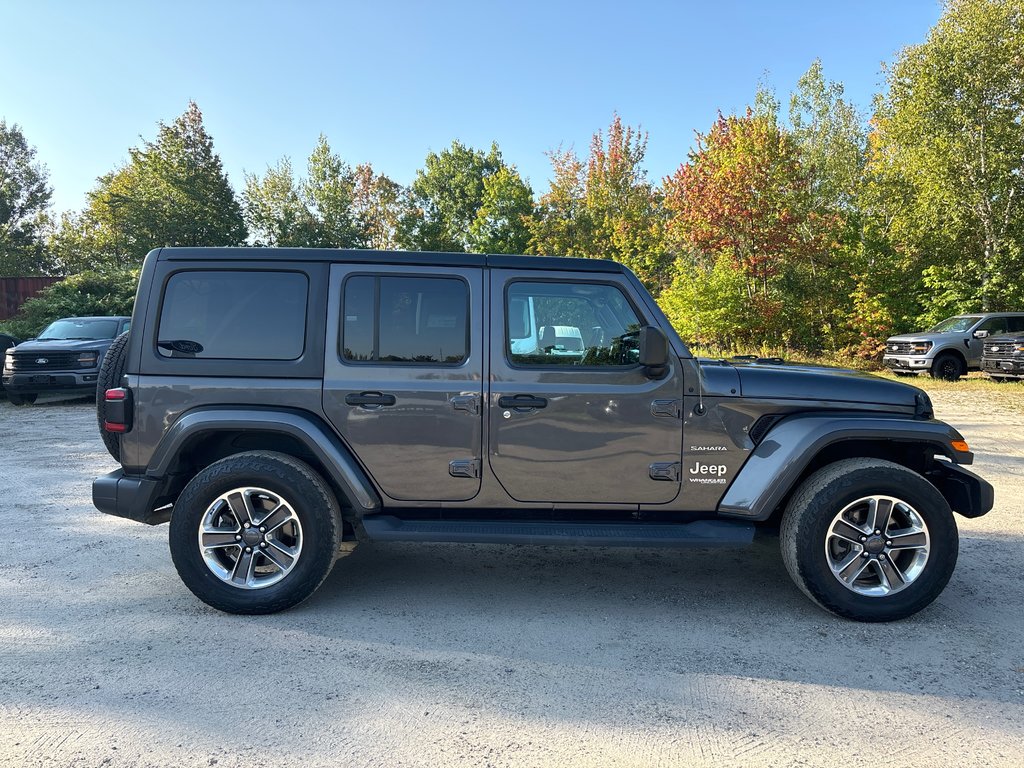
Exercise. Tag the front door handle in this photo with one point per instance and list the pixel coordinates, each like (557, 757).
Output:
(522, 401)
(370, 398)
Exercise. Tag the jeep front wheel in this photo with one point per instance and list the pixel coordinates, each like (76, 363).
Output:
(869, 540)
(256, 532)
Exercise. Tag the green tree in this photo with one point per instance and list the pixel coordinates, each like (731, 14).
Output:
(949, 136)
(447, 195)
(501, 221)
(332, 207)
(274, 210)
(173, 191)
(24, 206)
(605, 208)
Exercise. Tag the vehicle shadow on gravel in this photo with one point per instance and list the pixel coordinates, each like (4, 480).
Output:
(732, 612)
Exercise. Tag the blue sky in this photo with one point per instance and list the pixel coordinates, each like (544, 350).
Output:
(388, 81)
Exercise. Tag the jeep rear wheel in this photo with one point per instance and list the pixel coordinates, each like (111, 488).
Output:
(948, 367)
(256, 532)
(869, 540)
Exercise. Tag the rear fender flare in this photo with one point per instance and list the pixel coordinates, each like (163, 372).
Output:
(342, 466)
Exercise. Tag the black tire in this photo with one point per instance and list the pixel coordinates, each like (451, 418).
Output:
(314, 506)
(822, 496)
(948, 367)
(21, 398)
(112, 369)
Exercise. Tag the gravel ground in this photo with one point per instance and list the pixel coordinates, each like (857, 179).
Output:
(490, 656)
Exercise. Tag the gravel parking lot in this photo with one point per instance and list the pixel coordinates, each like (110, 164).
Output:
(489, 656)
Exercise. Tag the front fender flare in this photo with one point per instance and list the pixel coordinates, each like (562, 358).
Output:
(777, 463)
(305, 428)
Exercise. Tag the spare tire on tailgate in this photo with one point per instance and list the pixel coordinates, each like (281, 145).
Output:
(111, 371)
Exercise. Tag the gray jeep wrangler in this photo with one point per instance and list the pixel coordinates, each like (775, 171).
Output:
(274, 404)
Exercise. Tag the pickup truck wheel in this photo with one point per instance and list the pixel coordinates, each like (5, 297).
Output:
(255, 533)
(21, 398)
(869, 540)
(112, 369)
(948, 367)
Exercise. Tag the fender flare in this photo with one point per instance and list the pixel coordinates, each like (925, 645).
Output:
(306, 428)
(777, 463)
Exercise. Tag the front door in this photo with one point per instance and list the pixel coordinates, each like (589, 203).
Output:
(402, 376)
(573, 418)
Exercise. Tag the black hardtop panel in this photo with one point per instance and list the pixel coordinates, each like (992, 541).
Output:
(417, 258)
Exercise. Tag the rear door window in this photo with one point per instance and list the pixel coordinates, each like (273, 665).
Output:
(405, 320)
(234, 315)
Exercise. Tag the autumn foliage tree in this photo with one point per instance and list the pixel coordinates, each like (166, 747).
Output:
(741, 201)
(605, 207)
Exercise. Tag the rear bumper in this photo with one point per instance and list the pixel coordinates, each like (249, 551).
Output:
(907, 363)
(51, 382)
(130, 497)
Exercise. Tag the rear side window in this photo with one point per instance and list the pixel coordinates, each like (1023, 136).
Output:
(406, 320)
(234, 315)
(1016, 324)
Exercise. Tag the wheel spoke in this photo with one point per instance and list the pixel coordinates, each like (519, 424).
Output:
(279, 555)
(242, 573)
(852, 567)
(890, 575)
(908, 538)
(241, 507)
(847, 531)
(879, 512)
(278, 516)
(215, 538)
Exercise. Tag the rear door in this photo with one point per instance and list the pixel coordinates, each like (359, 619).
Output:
(403, 376)
(573, 417)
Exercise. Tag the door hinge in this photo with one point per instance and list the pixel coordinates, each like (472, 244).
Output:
(665, 471)
(672, 409)
(464, 468)
(467, 403)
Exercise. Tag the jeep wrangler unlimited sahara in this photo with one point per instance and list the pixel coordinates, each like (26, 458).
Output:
(275, 403)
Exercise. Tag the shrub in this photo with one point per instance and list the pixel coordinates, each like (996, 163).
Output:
(94, 292)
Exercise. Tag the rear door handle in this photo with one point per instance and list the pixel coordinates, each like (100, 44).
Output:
(522, 401)
(370, 398)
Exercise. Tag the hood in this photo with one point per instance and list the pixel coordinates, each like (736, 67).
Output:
(807, 382)
(62, 345)
(1006, 338)
(927, 336)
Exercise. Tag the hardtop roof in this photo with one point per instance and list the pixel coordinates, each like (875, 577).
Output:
(418, 258)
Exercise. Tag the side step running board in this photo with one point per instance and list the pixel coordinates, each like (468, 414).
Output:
(701, 533)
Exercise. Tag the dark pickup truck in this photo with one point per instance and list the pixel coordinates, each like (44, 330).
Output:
(275, 403)
(65, 358)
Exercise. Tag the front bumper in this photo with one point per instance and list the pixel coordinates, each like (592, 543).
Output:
(60, 381)
(131, 497)
(1003, 368)
(966, 493)
(907, 363)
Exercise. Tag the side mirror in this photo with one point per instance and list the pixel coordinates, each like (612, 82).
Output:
(653, 351)
(981, 334)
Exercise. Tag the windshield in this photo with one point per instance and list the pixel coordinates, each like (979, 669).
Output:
(80, 329)
(955, 324)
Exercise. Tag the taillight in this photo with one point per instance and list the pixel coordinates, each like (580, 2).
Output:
(117, 410)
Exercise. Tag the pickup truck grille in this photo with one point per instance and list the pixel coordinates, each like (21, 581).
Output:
(898, 347)
(45, 361)
(1002, 349)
